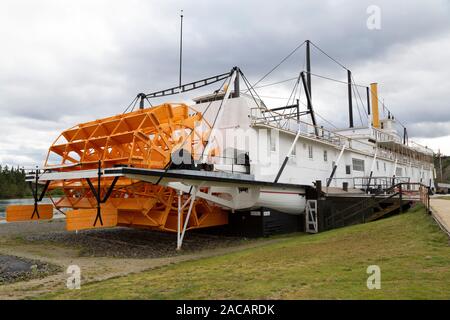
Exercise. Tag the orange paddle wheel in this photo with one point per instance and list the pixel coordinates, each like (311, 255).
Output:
(145, 138)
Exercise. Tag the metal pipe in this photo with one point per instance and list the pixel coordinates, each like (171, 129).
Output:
(350, 100)
(310, 106)
(335, 166)
(236, 84)
(368, 100)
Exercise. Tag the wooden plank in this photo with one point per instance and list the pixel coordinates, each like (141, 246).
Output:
(83, 219)
(24, 212)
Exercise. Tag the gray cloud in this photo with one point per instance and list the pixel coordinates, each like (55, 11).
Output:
(64, 63)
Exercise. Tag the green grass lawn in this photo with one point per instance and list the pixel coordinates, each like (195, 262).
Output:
(412, 252)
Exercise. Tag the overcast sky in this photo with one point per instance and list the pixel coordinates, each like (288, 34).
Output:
(66, 62)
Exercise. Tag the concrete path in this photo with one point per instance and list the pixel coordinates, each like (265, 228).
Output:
(441, 211)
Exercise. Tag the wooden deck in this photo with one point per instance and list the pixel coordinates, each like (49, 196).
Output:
(441, 211)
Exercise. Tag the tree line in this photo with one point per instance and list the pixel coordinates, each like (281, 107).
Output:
(12, 183)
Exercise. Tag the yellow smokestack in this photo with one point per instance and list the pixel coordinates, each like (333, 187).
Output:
(375, 115)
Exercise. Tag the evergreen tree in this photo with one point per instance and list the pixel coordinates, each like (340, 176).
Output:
(12, 183)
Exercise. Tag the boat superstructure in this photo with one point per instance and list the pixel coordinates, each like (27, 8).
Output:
(176, 167)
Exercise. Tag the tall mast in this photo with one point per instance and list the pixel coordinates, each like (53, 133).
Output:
(308, 72)
(181, 46)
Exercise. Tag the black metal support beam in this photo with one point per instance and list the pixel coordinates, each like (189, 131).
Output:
(291, 106)
(237, 89)
(310, 106)
(141, 102)
(97, 192)
(308, 68)
(280, 171)
(331, 175)
(368, 100)
(35, 194)
(350, 100)
(369, 181)
(189, 86)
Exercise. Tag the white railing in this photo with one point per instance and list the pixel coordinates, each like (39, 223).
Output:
(381, 136)
(288, 122)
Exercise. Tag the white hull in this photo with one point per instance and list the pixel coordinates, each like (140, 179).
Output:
(284, 201)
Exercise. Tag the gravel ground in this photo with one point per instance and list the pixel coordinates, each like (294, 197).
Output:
(14, 269)
(133, 243)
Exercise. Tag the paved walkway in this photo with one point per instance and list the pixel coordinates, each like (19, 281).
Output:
(441, 210)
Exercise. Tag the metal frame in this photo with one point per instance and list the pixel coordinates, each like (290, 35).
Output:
(97, 193)
(35, 194)
(188, 86)
(311, 225)
(181, 231)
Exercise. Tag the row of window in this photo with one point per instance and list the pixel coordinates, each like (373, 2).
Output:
(310, 153)
(357, 164)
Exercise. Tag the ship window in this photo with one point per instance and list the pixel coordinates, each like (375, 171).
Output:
(398, 172)
(347, 169)
(378, 166)
(325, 155)
(358, 164)
(384, 166)
(272, 143)
(310, 152)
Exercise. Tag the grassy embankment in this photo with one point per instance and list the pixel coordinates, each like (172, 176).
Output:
(413, 254)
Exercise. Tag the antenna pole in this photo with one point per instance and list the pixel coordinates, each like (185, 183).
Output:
(181, 46)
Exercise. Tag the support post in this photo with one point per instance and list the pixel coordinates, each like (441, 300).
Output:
(350, 100)
(310, 106)
(35, 196)
(180, 193)
(371, 170)
(308, 70)
(286, 159)
(237, 90)
(368, 100)
(335, 166)
(191, 204)
(97, 195)
(393, 172)
(141, 102)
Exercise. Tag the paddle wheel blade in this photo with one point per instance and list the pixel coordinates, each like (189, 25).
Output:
(83, 219)
(29, 212)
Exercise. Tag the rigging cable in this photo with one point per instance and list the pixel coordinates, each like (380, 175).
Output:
(133, 101)
(169, 163)
(326, 54)
(280, 63)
